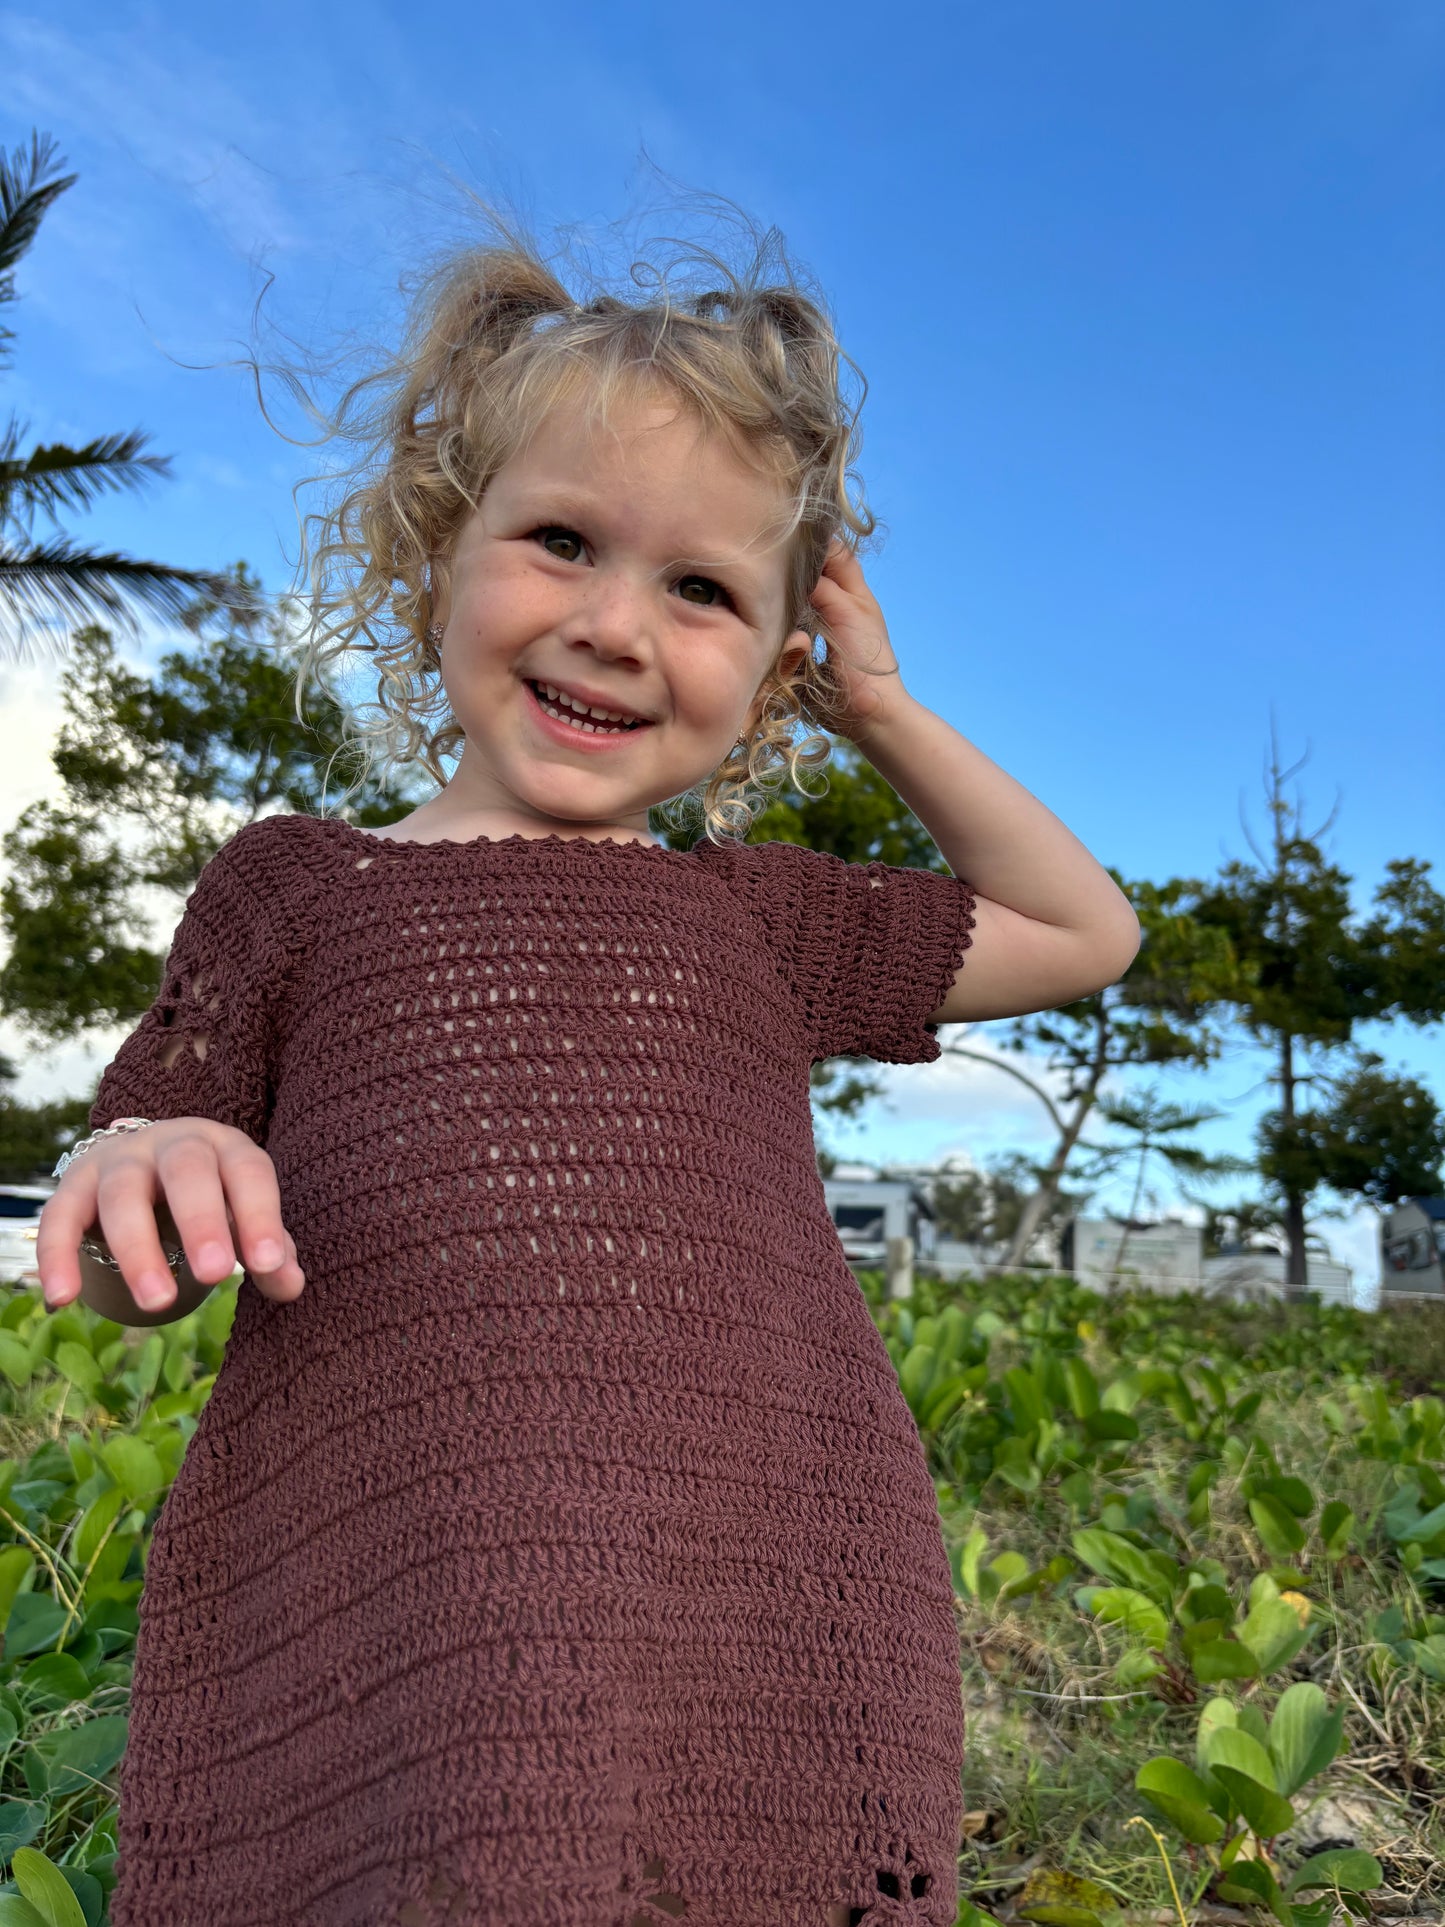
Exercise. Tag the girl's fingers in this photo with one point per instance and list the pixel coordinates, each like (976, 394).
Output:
(843, 588)
(285, 1283)
(835, 607)
(189, 1177)
(843, 566)
(126, 1213)
(254, 1196)
(68, 1212)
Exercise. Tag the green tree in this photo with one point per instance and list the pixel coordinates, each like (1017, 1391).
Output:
(1241, 1224)
(50, 578)
(1160, 1013)
(158, 771)
(1379, 1136)
(1154, 1129)
(1309, 974)
(963, 1206)
(985, 1207)
(32, 1136)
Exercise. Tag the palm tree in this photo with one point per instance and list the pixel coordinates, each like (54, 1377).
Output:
(52, 579)
(1254, 1224)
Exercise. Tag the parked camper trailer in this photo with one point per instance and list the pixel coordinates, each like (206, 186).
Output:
(1105, 1251)
(868, 1210)
(1169, 1257)
(1412, 1249)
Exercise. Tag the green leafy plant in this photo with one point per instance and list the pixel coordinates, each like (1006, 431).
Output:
(97, 1419)
(1252, 1515)
(1237, 1798)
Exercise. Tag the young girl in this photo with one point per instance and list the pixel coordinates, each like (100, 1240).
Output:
(556, 1545)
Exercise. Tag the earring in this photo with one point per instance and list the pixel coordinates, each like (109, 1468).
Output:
(434, 633)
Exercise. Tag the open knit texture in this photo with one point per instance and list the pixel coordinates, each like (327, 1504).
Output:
(566, 1554)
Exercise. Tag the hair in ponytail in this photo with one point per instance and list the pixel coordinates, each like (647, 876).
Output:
(494, 339)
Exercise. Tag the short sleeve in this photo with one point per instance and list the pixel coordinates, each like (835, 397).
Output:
(203, 1047)
(870, 950)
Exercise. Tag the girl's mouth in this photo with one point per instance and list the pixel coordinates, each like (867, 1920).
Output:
(564, 724)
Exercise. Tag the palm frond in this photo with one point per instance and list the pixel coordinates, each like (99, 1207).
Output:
(53, 477)
(28, 184)
(57, 582)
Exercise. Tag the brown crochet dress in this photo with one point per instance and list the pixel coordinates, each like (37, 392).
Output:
(566, 1553)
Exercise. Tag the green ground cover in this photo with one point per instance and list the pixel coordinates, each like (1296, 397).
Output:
(1199, 1560)
(1199, 1565)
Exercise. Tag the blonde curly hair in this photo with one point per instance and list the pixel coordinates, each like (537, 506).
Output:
(494, 339)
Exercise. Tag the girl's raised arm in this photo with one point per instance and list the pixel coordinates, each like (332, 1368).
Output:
(1051, 924)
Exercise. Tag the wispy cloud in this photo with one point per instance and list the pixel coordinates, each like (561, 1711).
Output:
(191, 183)
(205, 143)
(217, 471)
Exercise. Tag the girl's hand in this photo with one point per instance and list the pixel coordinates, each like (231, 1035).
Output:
(211, 1178)
(858, 644)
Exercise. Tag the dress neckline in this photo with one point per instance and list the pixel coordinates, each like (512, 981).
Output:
(338, 826)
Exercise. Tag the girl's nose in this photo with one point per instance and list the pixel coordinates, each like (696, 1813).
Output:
(617, 615)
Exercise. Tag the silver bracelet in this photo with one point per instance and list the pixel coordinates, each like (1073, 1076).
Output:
(88, 1244)
(64, 1163)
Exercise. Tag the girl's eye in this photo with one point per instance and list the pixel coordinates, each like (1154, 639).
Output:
(700, 590)
(565, 544)
(703, 592)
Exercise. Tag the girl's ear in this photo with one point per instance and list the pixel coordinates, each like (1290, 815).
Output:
(796, 649)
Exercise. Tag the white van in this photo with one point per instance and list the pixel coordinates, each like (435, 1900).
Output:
(20, 1208)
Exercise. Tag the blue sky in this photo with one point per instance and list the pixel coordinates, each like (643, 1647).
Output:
(1149, 299)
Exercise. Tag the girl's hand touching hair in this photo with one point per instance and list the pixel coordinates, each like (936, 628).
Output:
(215, 1184)
(858, 645)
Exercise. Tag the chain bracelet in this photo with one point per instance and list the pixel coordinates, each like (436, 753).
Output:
(64, 1163)
(102, 1257)
(88, 1244)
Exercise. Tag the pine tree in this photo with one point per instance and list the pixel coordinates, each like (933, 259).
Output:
(1310, 973)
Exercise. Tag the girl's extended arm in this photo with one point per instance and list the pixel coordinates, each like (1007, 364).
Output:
(1051, 923)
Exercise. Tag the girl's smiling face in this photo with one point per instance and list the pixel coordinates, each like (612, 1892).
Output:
(634, 567)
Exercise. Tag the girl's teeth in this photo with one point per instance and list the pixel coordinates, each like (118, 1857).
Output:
(578, 723)
(554, 703)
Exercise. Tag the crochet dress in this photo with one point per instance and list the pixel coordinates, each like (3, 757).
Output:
(566, 1554)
